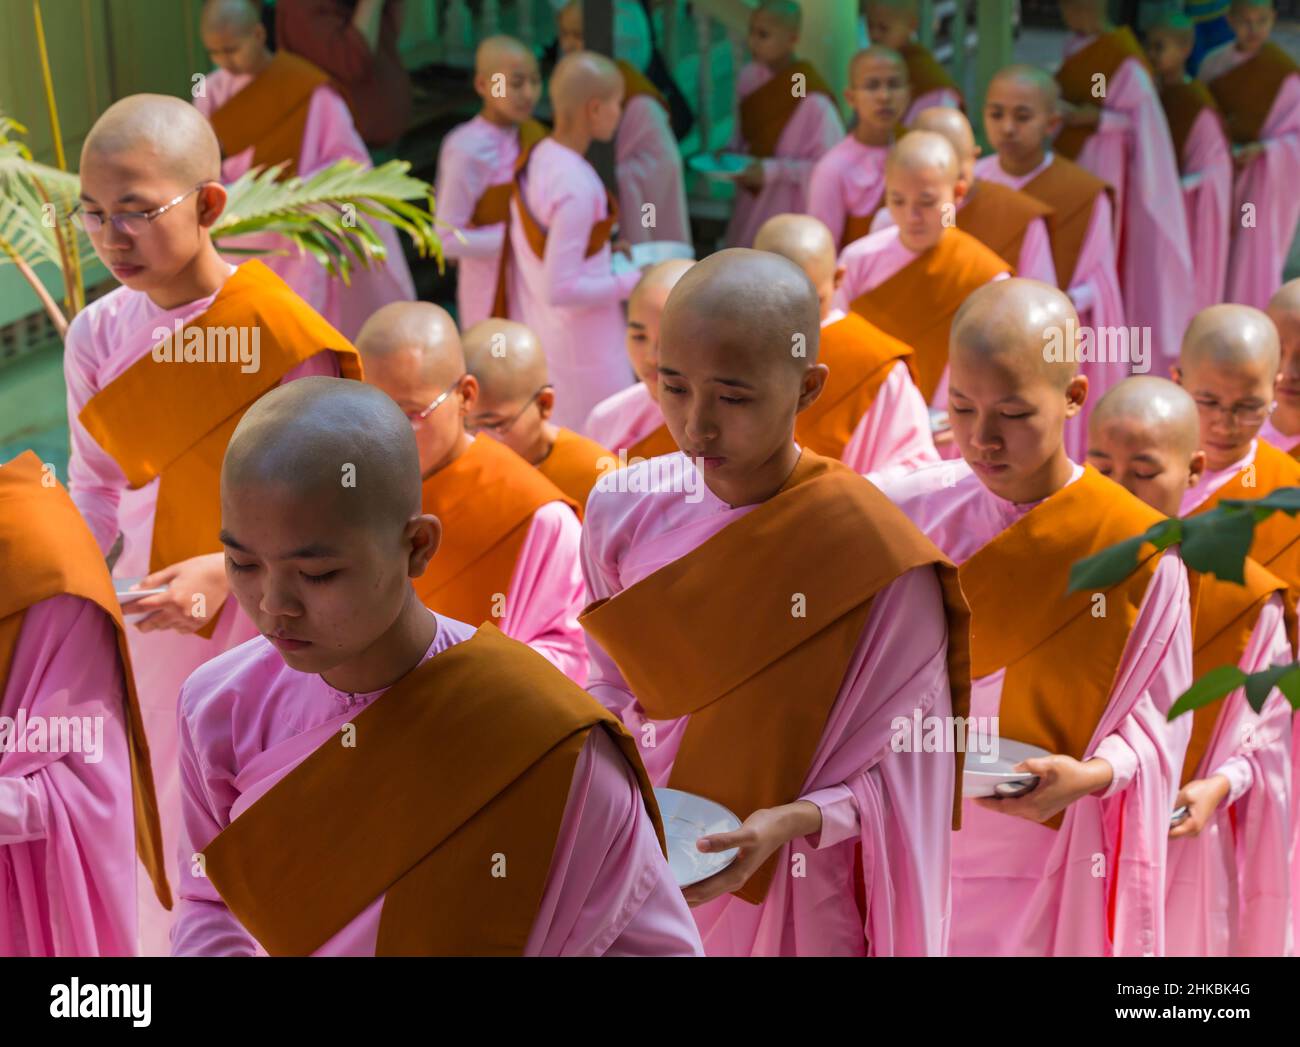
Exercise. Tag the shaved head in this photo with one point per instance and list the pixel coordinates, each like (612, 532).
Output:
(661, 277)
(233, 16)
(495, 52)
(506, 358)
(582, 77)
(751, 298)
(1032, 76)
(1015, 319)
(804, 240)
(301, 435)
(923, 151)
(787, 12)
(420, 328)
(1231, 336)
(1286, 299)
(1175, 23)
(172, 133)
(953, 125)
(1161, 407)
(876, 53)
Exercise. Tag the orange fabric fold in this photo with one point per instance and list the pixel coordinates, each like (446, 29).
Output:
(574, 465)
(449, 806)
(765, 111)
(1070, 192)
(494, 205)
(999, 216)
(1246, 94)
(1076, 77)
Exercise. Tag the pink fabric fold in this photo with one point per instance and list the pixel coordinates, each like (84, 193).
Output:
(648, 167)
(1206, 165)
(848, 181)
(619, 421)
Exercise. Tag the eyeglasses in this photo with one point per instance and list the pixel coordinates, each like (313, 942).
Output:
(501, 428)
(1239, 414)
(129, 223)
(415, 417)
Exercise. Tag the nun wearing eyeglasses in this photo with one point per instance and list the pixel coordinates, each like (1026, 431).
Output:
(510, 537)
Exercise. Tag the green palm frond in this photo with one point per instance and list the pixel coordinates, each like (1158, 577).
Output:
(330, 215)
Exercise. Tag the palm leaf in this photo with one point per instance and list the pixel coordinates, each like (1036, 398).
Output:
(331, 214)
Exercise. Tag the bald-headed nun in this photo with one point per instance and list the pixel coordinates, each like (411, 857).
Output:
(746, 558)
(910, 278)
(466, 798)
(158, 372)
(510, 545)
(1228, 880)
(1085, 679)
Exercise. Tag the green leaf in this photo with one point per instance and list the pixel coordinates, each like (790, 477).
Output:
(1209, 688)
(1260, 685)
(1289, 685)
(1111, 566)
(1284, 499)
(1218, 542)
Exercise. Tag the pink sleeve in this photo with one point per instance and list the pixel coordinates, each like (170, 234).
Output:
(329, 135)
(546, 591)
(203, 925)
(814, 130)
(895, 431)
(1035, 261)
(1096, 292)
(74, 804)
(609, 891)
(826, 197)
(95, 481)
(569, 281)
(1207, 195)
(460, 183)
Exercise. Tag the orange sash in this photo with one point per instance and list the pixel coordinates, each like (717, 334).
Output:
(925, 73)
(759, 692)
(636, 83)
(449, 808)
(765, 111)
(171, 420)
(1223, 618)
(654, 444)
(1071, 192)
(916, 305)
(856, 226)
(1277, 540)
(494, 205)
(574, 466)
(601, 233)
(1104, 55)
(859, 356)
(1182, 104)
(46, 550)
(999, 216)
(485, 499)
(270, 113)
(1246, 94)
(1060, 655)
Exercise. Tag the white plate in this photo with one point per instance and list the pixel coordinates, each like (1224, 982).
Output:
(723, 166)
(652, 252)
(687, 817)
(122, 587)
(981, 777)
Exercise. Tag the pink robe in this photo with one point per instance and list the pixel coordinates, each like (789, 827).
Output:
(1207, 194)
(896, 806)
(944, 97)
(104, 340)
(894, 434)
(546, 592)
(474, 156)
(67, 836)
(1228, 889)
(648, 168)
(868, 262)
(811, 132)
(1020, 888)
(1270, 434)
(848, 181)
(619, 421)
(328, 137)
(1094, 291)
(572, 303)
(247, 719)
(1258, 253)
(1132, 150)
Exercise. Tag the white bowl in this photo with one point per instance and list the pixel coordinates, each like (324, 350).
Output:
(981, 777)
(687, 817)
